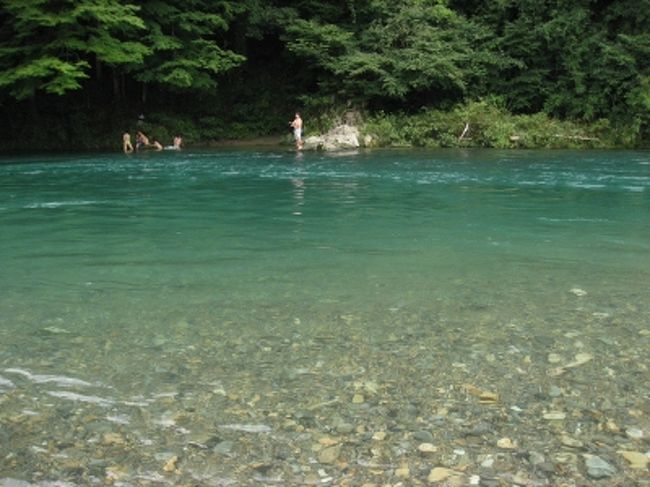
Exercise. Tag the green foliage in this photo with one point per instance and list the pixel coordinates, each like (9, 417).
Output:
(49, 46)
(48, 73)
(404, 48)
(165, 126)
(517, 73)
(572, 61)
(484, 124)
(52, 45)
(182, 37)
(194, 68)
(322, 44)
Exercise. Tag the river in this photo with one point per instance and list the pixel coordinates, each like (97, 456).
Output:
(243, 317)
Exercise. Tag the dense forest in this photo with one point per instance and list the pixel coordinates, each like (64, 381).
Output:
(75, 74)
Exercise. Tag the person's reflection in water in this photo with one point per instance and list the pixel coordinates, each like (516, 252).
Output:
(298, 195)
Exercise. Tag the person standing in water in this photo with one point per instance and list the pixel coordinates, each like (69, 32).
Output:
(297, 130)
(141, 140)
(127, 147)
(177, 143)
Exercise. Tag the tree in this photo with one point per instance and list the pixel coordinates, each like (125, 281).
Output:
(183, 36)
(50, 46)
(405, 50)
(580, 60)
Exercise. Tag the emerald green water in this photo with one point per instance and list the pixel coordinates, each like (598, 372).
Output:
(267, 281)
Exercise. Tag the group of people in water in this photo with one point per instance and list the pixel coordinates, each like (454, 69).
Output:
(142, 142)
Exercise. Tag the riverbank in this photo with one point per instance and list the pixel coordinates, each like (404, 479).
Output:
(470, 125)
(484, 125)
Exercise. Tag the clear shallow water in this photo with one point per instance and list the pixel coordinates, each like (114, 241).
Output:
(215, 278)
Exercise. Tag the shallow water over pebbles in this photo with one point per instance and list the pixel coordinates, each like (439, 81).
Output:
(384, 318)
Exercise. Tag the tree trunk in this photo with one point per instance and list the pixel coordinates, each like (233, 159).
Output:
(117, 92)
(33, 110)
(98, 69)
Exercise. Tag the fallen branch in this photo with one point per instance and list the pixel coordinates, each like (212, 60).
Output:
(464, 132)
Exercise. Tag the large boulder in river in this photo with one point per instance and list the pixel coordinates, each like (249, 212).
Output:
(342, 137)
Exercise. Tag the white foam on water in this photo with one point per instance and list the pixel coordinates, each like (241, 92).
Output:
(572, 220)
(10, 482)
(139, 404)
(587, 185)
(247, 428)
(119, 419)
(165, 395)
(165, 422)
(151, 477)
(54, 483)
(73, 396)
(59, 204)
(59, 380)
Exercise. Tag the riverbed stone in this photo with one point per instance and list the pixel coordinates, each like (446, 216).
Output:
(423, 436)
(223, 447)
(634, 433)
(636, 459)
(427, 448)
(597, 468)
(439, 474)
(571, 442)
(329, 455)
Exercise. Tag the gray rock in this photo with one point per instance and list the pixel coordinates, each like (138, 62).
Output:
(224, 447)
(479, 429)
(597, 468)
(344, 428)
(546, 467)
(329, 455)
(342, 137)
(423, 436)
(369, 141)
(536, 458)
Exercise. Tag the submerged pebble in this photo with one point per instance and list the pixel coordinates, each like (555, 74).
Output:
(402, 406)
(634, 433)
(597, 468)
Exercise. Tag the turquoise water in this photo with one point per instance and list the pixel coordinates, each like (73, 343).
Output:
(225, 276)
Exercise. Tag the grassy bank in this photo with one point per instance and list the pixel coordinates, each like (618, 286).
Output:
(480, 124)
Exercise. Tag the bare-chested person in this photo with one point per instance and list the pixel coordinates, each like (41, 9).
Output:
(127, 147)
(297, 130)
(141, 140)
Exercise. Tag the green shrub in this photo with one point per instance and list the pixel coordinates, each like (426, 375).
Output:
(490, 125)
